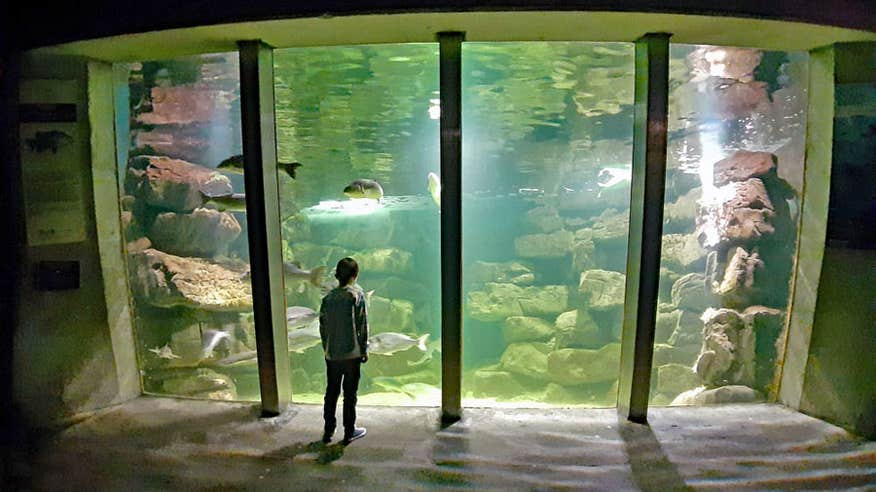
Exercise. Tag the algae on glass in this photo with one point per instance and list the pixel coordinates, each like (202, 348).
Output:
(547, 147)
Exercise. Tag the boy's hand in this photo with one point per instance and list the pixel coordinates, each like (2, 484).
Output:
(364, 359)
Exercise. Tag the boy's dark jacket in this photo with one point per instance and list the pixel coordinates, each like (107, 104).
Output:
(343, 318)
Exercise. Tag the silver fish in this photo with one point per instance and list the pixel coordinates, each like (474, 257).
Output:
(364, 188)
(164, 352)
(234, 164)
(294, 271)
(299, 317)
(304, 338)
(390, 343)
(231, 202)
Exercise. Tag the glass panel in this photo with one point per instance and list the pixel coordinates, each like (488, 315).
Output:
(737, 127)
(184, 229)
(363, 113)
(547, 147)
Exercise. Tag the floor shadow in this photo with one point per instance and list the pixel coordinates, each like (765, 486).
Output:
(651, 468)
(325, 453)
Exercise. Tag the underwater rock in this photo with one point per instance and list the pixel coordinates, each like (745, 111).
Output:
(691, 293)
(583, 254)
(173, 184)
(526, 359)
(671, 354)
(667, 280)
(386, 315)
(200, 383)
(737, 288)
(526, 329)
(311, 255)
(544, 219)
(609, 234)
(727, 352)
(665, 325)
(742, 166)
(400, 288)
(680, 215)
(553, 245)
(682, 253)
(166, 280)
(674, 378)
(512, 272)
(186, 104)
(138, 245)
(569, 367)
(545, 300)
(768, 325)
(602, 290)
(499, 301)
(203, 232)
(392, 261)
(688, 330)
(724, 394)
(744, 214)
(496, 383)
(576, 329)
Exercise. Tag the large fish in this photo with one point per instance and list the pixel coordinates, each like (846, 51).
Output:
(294, 272)
(390, 343)
(364, 188)
(299, 317)
(229, 202)
(234, 164)
(434, 184)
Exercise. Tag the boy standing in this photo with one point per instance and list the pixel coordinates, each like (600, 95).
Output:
(343, 327)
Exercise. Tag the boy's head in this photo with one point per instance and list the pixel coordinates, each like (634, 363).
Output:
(346, 271)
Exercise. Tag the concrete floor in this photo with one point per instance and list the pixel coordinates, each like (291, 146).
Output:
(166, 444)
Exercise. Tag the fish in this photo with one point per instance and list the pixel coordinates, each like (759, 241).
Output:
(164, 352)
(364, 188)
(302, 339)
(294, 272)
(434, 185)
(234, 165)
(390, 343)
(431, 348)
(50, 140)
(209, 340)
(230, 202)
(237, 358)
(299, 317)
(612, 176)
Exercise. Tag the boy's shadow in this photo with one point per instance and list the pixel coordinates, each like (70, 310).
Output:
(325, 453)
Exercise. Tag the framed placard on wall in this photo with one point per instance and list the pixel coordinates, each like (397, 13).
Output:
(51, 151)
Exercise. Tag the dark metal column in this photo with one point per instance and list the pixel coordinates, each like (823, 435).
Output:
(263, 222)
(451, 225)
(646, 224)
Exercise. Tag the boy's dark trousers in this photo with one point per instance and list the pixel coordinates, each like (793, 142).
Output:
(349, 371)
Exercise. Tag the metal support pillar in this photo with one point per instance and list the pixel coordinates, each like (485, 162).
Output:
(263, 222)
(646, 224)
(451, 224)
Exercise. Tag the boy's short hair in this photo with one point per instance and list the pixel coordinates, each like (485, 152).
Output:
(346, 270)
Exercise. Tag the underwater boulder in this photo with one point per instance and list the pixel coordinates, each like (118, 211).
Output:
(173, 184)
(577, 329)
(742, 213)
(727, 352)
(665, 353)
(489, 382)
(602, 290)
(498, 301)
(737, 286)
(583, 254)
(526, 359)
(691, 293)
(392, 261)
(665, 325)
(311, 255)
(721, 395)
(680, 215)
(543, 219)
(742, 166)
(688, 329)
(512, 272)
(204, 232)
(682, 253)
(544, 300)
(570, 367)
(553, 245)
(166, 280)
(673, 379)
(667, 280)
(390, 315)
(526, 329)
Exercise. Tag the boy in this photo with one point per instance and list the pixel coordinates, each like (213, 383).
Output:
(343, 327)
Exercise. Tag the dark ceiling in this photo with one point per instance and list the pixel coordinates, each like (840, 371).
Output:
(42, 23)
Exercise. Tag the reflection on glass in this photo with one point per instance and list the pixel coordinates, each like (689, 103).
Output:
(735, 170)
(185, 230)
(547, 146)
(361, 122)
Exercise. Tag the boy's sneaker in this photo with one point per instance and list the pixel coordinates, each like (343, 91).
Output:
(356, 434)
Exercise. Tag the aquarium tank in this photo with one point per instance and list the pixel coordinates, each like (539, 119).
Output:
(547, 132)
(737, 129)
(185, 233)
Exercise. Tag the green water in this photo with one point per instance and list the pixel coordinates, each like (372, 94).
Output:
(547, 147)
